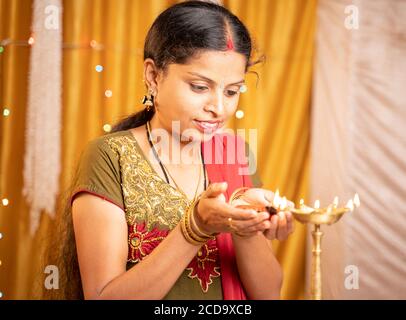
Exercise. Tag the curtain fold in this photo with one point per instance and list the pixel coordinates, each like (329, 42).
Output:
(357, 146)
(278, 107)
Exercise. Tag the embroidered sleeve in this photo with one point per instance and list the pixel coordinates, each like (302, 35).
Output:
(98, 173)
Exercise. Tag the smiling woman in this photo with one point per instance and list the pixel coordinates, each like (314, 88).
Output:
(144, 223)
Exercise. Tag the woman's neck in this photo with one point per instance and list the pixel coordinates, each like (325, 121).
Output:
(170, 146)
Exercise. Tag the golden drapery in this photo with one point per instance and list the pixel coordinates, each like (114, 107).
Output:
(279, 107)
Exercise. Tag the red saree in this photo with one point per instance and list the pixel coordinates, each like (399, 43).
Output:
(217, 152)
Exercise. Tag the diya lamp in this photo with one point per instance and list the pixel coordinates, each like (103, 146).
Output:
(315, 216)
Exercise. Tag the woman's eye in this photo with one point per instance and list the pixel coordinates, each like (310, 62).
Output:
(197, 87)
(231, 93)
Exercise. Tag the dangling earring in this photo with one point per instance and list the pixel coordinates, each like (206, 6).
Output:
(148, 99)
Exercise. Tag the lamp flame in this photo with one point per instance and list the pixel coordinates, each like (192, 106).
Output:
(276, 199)
(283, 204)
(357, 202)
(350, 205)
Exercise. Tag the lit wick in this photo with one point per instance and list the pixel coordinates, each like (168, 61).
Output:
(335, 202)
(357, 202)
(350, 205)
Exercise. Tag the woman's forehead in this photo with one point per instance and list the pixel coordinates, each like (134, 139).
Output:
(217, 66)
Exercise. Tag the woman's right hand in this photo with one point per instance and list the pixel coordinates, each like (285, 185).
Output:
(213, 214)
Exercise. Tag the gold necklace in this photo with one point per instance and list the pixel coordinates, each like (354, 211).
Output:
(166, 169)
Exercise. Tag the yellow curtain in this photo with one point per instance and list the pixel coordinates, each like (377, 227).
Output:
(278, 107)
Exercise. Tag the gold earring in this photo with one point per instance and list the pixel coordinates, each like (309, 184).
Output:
(148, 99)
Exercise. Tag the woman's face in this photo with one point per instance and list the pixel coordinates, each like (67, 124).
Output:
(197, 98)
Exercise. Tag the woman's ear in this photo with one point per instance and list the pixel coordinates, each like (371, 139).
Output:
(150, 73)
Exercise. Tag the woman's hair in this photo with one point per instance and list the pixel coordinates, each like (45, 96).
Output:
(183, 31)
(178, 34)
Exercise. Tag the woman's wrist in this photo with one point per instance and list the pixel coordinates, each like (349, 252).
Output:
(198, 223)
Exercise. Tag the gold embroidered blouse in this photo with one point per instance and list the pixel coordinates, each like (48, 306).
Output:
(115, 168)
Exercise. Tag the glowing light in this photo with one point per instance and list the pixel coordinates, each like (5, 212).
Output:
(350, 205)
(6, 112)
(93, 43)
(284, 203)
(1, 235)
(277, 199)
(317, 204)
(108, 93)
(31, 41)
(107, 128)
(357, 202)
(5, 202)
(243, 88)
(335, 202)
(99, 68)
(239, 114)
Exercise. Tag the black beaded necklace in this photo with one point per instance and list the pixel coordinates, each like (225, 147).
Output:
(160, 163)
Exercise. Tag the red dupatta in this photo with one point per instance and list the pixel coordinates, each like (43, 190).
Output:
(215, 153)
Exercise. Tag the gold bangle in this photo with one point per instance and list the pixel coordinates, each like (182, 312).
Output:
(189, 235)
(189, 229)
(237, 194)
(186, 234)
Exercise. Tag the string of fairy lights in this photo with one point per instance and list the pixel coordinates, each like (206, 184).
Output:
(91, 45)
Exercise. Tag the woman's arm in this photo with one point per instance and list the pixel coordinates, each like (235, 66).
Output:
(259, 270)
(101, 240)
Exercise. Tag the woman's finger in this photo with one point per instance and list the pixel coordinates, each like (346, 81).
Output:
(251, 225)
(261, 226)
(223, 210)
(289, 222)
(281, 232)
(271, 232)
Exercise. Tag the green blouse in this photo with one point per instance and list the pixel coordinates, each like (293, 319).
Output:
(115, 168)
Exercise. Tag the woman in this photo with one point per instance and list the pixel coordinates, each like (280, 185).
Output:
(156, 223)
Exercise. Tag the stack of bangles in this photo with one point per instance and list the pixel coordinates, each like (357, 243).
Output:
(191, 231)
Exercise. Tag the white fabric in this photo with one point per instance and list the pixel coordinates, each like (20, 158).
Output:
(42, 160)
(359, 145)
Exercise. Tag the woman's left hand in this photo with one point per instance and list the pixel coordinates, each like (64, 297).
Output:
(280, 225)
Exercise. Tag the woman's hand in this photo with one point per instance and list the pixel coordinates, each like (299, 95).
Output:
(280, 225)
(214, 215)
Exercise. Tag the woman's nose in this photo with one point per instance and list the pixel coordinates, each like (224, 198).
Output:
(216, 104)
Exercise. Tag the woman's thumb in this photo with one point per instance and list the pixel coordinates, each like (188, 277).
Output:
(216, 189)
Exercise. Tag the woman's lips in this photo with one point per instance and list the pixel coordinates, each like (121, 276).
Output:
(207, 126)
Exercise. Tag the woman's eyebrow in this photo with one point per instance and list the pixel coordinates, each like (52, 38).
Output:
(212, 81)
